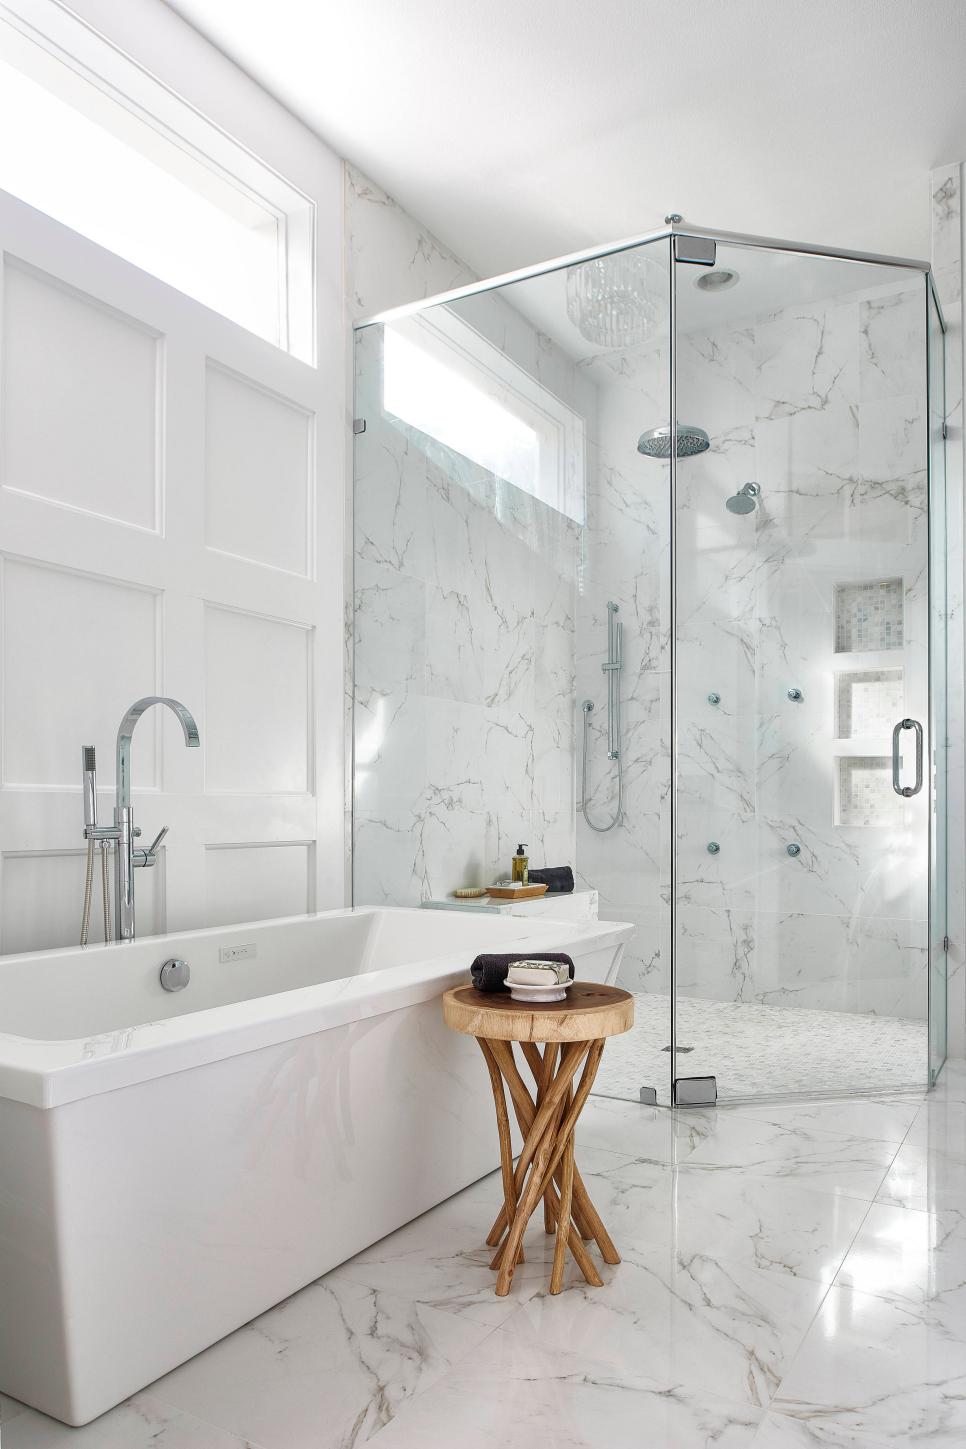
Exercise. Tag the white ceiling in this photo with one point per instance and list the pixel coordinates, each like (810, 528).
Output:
(522, 129)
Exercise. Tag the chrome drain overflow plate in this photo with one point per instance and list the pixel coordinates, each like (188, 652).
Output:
(175, 974)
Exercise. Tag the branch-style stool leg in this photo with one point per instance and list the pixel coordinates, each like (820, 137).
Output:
(539, 1146)
(503, 1131)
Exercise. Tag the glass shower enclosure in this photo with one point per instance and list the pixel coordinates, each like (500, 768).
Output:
(649, 550)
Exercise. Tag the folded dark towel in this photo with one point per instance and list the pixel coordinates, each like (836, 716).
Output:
(489, 972)
(558, 878)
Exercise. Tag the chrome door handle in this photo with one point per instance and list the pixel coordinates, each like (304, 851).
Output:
(906, 790)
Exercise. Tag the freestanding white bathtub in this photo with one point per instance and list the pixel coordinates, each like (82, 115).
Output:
(171, 1165)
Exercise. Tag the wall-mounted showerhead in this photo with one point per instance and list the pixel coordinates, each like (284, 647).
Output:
(656, 442)
(745, 500)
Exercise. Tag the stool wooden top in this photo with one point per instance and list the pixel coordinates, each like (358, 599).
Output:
(589, 1012)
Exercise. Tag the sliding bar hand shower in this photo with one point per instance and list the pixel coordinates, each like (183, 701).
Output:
(612, 668)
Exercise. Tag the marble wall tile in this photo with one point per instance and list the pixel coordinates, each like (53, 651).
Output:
(464, 620)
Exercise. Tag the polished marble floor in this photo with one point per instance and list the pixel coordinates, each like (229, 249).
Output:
(794, 1275)
(763, 1050)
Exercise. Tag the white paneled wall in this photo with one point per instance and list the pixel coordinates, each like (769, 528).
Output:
(171, 521)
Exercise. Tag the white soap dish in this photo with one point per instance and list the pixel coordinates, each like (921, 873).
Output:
(555, 992)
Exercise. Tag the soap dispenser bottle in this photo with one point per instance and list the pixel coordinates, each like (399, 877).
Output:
(521, 866)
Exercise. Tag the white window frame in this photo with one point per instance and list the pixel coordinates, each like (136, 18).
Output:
(56, 48)
(560, 431)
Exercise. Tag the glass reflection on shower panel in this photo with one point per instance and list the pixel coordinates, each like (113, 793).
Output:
(801, 566)
(501, 500)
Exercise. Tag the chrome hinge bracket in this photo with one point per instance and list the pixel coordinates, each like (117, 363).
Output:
(700, 251)
(358, 425)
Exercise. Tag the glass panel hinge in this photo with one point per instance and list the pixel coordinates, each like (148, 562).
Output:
(358, 425)
(945, 429)
(945, 943)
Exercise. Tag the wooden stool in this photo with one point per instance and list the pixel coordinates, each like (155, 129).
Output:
(573, 1032)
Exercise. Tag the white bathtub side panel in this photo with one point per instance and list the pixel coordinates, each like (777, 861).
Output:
(198, 1200)
(33, 1344)
(157, 1218)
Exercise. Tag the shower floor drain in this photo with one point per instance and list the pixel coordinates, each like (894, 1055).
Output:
(680, 1049)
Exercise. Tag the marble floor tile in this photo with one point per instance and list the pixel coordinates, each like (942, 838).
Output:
(142, 1422)
(887, 1120)
(328, 1367)
(515, 1395)
(709, 1325)
(832, 1162)
(649, 1134)
(940, 1126)
(448, 1269)
(780, 1225)
(814, 1430)
(952, 1082)
(906, 1256)
(894, 1373)
(923, 1178)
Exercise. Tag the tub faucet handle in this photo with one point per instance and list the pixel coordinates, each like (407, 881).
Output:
(149, 857)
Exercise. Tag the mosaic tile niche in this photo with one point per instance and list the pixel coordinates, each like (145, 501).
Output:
(867, 702)
(866, 796)
(868, 616)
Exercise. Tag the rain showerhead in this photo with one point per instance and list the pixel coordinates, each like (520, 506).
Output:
(745, 500)
(656, 442)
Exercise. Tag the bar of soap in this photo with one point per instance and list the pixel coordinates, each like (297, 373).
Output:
(537, 973)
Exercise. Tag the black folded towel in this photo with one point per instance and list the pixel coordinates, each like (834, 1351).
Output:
(489, 972)
(558, 878)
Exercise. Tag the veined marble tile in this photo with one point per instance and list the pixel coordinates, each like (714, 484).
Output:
(893, 343)
(338, 1359)
(142, 1422)
(778, 1226)
(832, 1162)
(516, 1395)
(951, 1086)
(389, 621)
(881, 1121)
(441, 1259)
(815, 1429)
(806, 359)
(392, 258)
(925, 1177)
(940, 1126)
(711, 1325)
(890, 1372)
(908, 1257)
(647, 1134)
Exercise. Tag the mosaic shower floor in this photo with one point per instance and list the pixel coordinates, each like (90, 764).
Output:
(763, 1050)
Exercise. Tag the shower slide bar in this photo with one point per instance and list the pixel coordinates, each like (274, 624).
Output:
(611, 668)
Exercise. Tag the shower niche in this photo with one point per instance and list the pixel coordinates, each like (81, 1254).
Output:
(747, 480)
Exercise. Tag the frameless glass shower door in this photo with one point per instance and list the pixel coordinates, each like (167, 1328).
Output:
(649, 557)
(805, 746)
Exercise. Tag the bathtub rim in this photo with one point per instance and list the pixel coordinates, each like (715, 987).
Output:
(50, 1073)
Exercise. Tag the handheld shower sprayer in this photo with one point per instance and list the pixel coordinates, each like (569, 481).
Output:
(89, 778)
